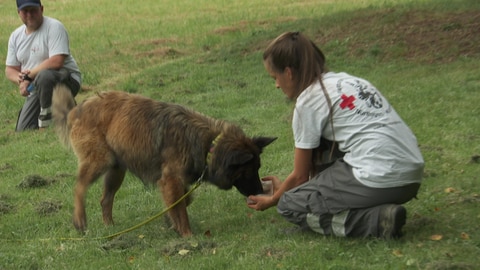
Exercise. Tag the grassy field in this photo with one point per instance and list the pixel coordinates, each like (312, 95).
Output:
(422, 55)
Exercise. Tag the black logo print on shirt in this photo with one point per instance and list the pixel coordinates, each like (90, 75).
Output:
(369, 94)
(365, 92)
(355, 93)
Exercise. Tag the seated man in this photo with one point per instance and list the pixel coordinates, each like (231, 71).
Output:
(38, 58)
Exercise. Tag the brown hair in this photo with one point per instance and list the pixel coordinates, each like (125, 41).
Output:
(300, 54)
(307, 62)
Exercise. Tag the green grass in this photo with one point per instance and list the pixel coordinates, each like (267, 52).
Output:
(207, 55)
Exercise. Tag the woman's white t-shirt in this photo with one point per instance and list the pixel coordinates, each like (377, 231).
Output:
(379, 146)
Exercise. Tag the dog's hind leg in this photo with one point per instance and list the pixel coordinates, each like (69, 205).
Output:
(112, 182)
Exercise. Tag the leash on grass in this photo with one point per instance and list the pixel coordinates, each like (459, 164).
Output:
(111, 236)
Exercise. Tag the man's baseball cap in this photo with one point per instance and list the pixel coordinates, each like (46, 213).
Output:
(28, 3)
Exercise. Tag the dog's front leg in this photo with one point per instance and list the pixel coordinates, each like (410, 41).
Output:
(112, 181)
(173, 189)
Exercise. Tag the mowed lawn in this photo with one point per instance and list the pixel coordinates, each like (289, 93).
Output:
(422, 55)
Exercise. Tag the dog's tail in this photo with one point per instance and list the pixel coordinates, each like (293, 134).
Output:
(62, 103)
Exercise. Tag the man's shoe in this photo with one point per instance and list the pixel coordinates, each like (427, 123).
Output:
(44, 120)
(391, 220)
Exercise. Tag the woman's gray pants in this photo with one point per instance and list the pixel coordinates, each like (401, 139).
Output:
(335, 203)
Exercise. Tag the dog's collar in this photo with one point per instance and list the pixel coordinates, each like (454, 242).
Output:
(212, 147)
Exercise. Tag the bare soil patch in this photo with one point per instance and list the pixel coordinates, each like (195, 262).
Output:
(416, 35)
(34, 181)
(47, 207)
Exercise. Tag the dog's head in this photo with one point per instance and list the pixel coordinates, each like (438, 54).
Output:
(235, 162)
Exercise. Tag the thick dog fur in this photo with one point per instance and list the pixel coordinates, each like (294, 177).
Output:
(159, 142)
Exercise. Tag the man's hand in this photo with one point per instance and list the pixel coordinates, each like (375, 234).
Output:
(23, 88)
(23, 76)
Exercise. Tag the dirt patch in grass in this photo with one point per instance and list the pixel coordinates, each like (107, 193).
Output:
(183, 248)
(37, 181)
(47, 207)
(162, 52)
(416, 35)
(34, 181)
(5, 167)
(5, 207)
(123, 242)
(176, 247)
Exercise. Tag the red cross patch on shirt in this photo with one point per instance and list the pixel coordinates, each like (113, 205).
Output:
(347, 102)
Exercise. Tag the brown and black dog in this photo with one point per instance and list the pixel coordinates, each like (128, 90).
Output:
(159, 142)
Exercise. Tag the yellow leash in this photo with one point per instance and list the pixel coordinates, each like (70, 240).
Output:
(195, 186)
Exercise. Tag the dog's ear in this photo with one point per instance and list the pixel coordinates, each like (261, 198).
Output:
(261, 142)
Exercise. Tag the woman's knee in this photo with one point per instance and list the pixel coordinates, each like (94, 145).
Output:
(282, 206)
(290, 212)
(288, 208)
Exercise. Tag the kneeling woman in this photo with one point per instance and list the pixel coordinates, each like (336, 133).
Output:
(370, 163)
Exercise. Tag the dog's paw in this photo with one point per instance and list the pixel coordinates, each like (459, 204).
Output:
(80, 225)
